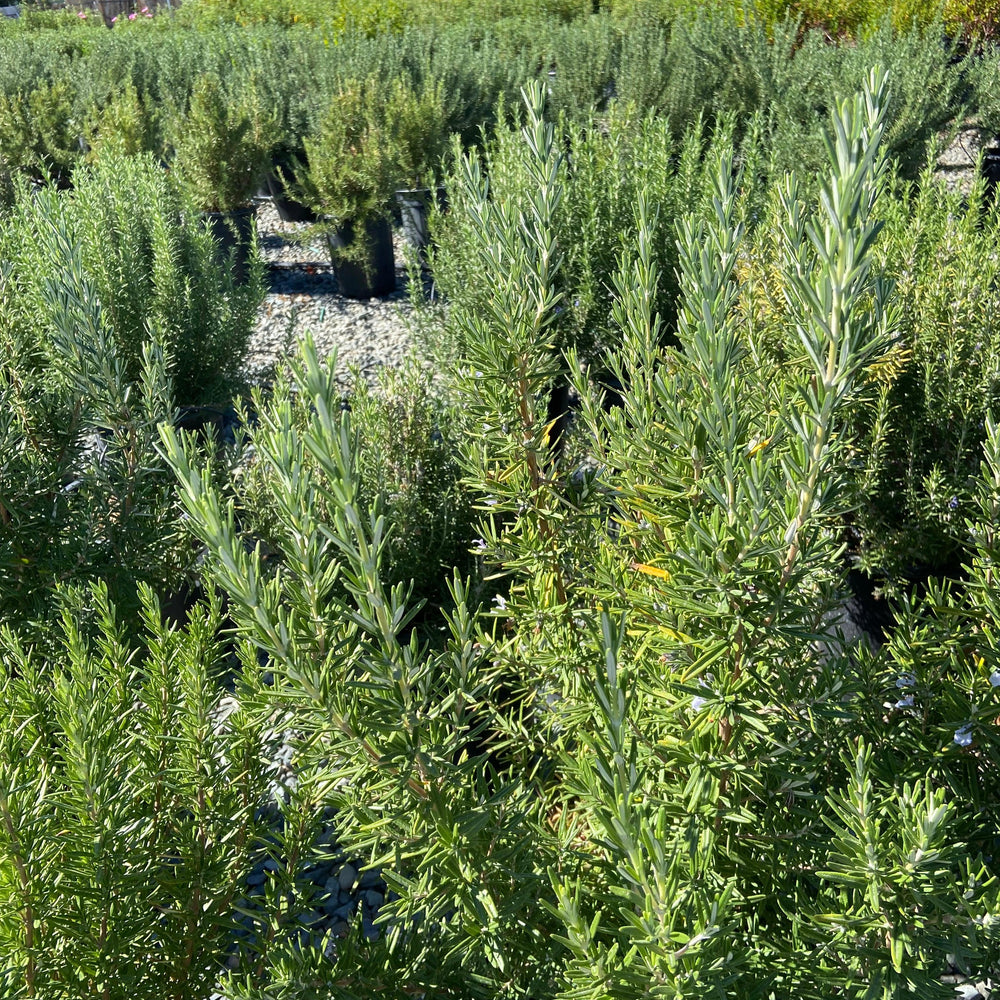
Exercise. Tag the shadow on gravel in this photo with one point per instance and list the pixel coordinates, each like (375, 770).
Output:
(307, 278)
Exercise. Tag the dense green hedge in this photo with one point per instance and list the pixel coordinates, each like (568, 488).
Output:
(58, 85)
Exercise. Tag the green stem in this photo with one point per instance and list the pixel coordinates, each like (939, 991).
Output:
(28, 913)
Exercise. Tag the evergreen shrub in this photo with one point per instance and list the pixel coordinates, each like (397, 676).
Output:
(711, 66)
(222, 145)
(653, 758)
(387, 724)
(927, 424)
(83, 496)
(403, 436)
(40, 136)
(131, 807)
(921, 424)
(147, 256)
(670, 603)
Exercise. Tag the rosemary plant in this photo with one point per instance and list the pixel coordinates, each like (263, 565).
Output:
(407, 741)
(128, 814)
(653, 766)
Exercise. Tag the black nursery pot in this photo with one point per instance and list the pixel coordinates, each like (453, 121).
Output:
(414, 209)
(373, 273)
(233, 233)
(289, 210)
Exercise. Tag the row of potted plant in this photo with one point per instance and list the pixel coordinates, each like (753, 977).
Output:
(333, 144)
(339, 177)
(340, 127)
(366, 143)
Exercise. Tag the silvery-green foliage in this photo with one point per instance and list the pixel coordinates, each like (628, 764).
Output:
(469, 60)
(410, 743)
(128, 807)
(509, 360)
(712, 64)
(602, 173)
(709, 725)
(164, 60)
(738, 699)
(152, 268)
(31, 59)
(407, 469)
(83, 495)
(930, 74)
(478, 77)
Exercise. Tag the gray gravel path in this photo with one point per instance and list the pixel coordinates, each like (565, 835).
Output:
(303, 295)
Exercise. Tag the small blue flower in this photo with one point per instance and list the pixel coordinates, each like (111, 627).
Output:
(906, 702)
(500, 602)
(698, 703)
(963, 735)
(953, 503)
(906, 680)
(995, 679)
(479, 545)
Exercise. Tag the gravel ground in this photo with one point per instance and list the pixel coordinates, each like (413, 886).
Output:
(957, 163)
(303, 295)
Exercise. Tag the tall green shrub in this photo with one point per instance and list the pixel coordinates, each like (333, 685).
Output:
(670, 604)
(151, 264)
(40, 134)
(83, 496)
(222, 145)
(125, 124)
(404, 738)
(602, 175)
(129, 808)
(407, 470)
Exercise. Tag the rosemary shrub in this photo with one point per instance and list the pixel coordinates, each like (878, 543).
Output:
(222, 144)
(83, 496)
(651, 766)
(150, 263)
(129, 811)
(403, 738)
(669, 616)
